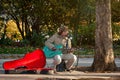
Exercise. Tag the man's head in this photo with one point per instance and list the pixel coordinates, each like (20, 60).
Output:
(63, 30)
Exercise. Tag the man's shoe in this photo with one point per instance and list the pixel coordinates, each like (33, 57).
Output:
(69, 70)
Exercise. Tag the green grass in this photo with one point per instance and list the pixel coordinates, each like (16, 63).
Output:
(92, 51)
(23, 50)
(117, 51)
(85, 52)
(16, 50)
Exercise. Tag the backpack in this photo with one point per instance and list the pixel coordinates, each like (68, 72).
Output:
(61, 67)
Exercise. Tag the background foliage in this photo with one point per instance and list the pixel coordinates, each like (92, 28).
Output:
(27, 22)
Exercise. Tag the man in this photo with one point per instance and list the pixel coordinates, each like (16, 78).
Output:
(60, 38)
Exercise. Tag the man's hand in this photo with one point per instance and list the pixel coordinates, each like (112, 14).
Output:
(71, 50)
(53, 49)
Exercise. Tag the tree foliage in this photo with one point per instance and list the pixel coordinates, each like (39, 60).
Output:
(42, 17)
(115, 6)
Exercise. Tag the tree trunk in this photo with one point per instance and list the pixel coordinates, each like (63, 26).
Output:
(104, 56)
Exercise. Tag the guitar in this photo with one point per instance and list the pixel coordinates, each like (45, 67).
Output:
(50, 54)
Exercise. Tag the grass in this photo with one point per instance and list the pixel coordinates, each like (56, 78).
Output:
(92, 51)
(117, 51)
(15, 50)
(23, 50)
(85, 52)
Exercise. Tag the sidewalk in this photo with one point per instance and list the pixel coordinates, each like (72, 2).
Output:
(75, 75)
(81, 62)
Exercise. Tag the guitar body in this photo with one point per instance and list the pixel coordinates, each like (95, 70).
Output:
(50, 54)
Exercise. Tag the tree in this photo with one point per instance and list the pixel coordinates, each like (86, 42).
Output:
(104, 56)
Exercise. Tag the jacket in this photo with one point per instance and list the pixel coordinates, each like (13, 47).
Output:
(57, 40)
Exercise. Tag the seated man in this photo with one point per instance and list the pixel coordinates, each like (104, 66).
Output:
(60, 39)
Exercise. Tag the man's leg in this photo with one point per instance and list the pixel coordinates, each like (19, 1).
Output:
(70, 60)
(57, 60)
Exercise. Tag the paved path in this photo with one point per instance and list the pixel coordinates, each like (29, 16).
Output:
(82, 62)
(62, 75)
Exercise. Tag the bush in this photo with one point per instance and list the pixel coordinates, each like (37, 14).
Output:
(6, 42)
(87, 33)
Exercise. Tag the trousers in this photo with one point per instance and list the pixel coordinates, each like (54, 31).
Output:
(69, 58)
